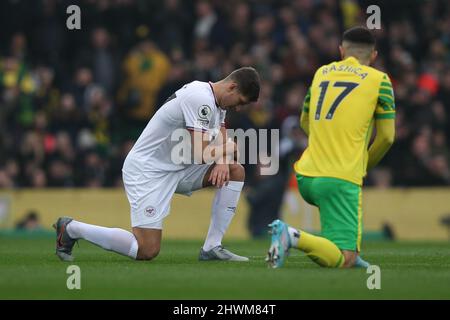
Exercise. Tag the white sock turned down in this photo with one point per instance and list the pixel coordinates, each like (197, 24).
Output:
(113, 239)
(223, 209)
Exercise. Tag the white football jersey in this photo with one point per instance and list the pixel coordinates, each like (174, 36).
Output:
(192, 107)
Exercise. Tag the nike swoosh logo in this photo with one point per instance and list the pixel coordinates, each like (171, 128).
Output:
(59, 241)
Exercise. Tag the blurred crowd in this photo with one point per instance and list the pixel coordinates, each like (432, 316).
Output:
(72, 103)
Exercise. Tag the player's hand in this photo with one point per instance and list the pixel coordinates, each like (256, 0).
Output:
(220, 175)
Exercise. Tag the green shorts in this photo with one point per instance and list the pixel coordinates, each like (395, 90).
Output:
(339, 203)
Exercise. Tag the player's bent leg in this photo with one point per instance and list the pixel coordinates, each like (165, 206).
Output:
(149, 242)
(223, 210)
(325, 252)
(340, 216)
(112, 239)
(320, 250)
(149, 196)
(237, 172)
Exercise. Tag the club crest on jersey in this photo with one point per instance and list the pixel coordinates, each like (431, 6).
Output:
(204, 111)
(150, 211)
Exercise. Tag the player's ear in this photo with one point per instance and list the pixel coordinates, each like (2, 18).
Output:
(232, 86)
(342, 51)
(373, 56)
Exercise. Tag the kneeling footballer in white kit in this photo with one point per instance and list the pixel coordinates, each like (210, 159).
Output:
(153, 172)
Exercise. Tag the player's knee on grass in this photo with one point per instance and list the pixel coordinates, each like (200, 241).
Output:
(350, 258)
(149, 242)
(237, 172)
(147, 253)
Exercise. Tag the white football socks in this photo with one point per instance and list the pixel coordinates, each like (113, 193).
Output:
(113, 239)
(294, 235)
(223, 209)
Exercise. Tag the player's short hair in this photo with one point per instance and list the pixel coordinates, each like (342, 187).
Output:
(359, 36)
(247, 80)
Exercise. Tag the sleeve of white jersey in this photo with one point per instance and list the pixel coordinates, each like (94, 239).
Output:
(197, 113)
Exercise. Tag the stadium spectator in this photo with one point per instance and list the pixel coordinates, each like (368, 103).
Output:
(74, 102)
(30, 222)
(145, 71)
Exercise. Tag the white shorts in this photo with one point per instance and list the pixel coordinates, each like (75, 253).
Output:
(150, 193)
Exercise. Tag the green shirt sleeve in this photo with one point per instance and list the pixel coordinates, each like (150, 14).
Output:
(307, 100)
(304, 118)
(386, 101)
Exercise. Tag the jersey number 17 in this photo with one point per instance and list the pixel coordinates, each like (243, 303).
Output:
(348, 87)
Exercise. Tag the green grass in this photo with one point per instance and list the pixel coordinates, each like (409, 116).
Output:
(29, 269)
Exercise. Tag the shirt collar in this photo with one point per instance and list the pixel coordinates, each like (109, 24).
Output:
(214, 95)
(352, 60)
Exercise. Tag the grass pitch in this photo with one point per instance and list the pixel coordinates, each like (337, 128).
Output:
(29, 269)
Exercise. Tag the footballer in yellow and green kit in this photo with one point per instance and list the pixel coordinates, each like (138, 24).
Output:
(344, 103)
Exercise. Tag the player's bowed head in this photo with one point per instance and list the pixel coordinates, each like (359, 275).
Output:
(239, 88)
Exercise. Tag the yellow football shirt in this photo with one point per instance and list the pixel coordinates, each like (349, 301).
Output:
(344, 99)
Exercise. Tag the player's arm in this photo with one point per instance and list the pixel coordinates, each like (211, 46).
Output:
(220, 154)
(220, 174)
(304, 118)
(385, 134)
(197, 117)
(384, 124)
(205, 152)
(224, 138)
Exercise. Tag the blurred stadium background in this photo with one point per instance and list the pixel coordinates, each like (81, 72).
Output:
(73, 102)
